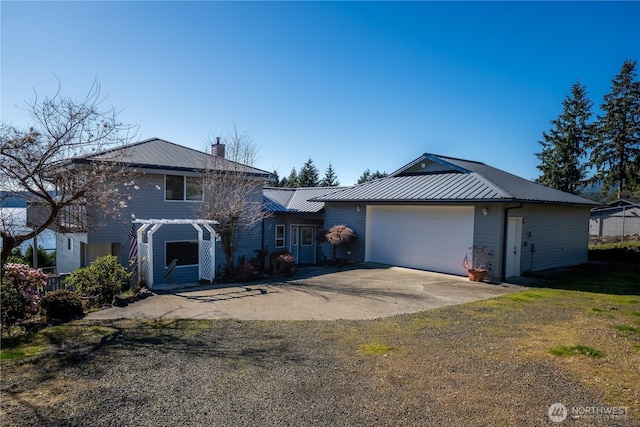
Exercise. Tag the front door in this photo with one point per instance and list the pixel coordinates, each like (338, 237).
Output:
(307, 245)
(303, 243)
(514, 243)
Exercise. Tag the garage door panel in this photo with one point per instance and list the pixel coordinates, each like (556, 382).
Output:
(426, 237)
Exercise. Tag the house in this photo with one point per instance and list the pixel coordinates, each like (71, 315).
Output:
(162, 190)
(296, 223)
(430, 213)
(618, 218)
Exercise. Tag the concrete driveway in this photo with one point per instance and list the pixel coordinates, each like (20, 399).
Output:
(364, 292)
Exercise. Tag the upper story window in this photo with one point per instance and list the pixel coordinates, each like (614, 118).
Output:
(178, 187)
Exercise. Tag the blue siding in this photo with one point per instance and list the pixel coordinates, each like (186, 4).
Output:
(353, 215)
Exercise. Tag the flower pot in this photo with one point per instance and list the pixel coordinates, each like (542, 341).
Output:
(476, 274)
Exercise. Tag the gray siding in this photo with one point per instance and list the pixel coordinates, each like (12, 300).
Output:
(553, 236)
(558, 235)
(289, 219)
(68, 260)
(354, 216)
(615, 222)
(488, 232)
(144, 198)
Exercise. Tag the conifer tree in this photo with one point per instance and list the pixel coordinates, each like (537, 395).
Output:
(367, 176)
(292, 180)
(308, 176)
(330, 178)
(615, 153)
(564, 147)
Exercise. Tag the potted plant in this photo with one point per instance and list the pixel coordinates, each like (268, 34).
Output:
(480, 263)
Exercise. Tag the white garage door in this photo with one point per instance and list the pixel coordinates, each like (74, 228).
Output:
(426, 237)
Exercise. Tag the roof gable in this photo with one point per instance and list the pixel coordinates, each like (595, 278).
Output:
(155, 153)
(429, 164)
(434, 178)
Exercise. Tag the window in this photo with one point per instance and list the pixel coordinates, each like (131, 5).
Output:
(179, 187)
(194, 188)
(174, 187)
(306, 236)
(185, 252)
(69, 244)
(294, 235)
(279, 236)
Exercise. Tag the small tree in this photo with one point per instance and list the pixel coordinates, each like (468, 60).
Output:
(309, 176)
(339, 235)
(330, 178)
(292, 180)
(233, 193)
(43, 165)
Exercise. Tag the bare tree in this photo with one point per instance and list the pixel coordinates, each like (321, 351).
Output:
(233, 191)
(49, 165)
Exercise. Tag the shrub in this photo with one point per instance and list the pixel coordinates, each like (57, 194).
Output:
(12, 305)
(618, 252)
(61, 304)
(20, 296)
(282, 262)
(246, 270)
(101, 280)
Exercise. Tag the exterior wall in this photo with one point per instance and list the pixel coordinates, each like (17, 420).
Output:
(615, 222)
(354, 216)
(553, 236)
(68, 260)
(488, 232)
(289, 219)
(144, 196)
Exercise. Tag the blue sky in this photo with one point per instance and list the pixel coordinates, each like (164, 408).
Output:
(358, 84)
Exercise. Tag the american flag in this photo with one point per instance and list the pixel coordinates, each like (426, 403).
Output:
(133, 243)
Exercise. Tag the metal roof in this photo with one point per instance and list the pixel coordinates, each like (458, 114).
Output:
(452, 180)
(156, 153)
(295, 199)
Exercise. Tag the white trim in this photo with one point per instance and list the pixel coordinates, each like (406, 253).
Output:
(153, 225)
(184, 189)
(284, 236)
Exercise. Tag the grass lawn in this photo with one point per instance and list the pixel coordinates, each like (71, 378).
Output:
(501, 361)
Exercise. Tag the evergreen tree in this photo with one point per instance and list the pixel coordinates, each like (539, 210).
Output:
(292, 180)
(330, 178)
(368, 176)
(309, 176)
(278, 181)
(616, 152)
(564, 147)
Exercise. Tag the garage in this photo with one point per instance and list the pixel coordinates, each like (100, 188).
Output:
(432, 238)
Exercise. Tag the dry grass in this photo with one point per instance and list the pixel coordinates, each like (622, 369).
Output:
(489, 362)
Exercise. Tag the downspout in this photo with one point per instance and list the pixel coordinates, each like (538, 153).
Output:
(505, 230)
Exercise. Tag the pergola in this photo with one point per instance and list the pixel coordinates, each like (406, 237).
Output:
(206, 248)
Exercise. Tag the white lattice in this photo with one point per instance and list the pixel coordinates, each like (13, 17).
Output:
(206, 260)
(143, 268)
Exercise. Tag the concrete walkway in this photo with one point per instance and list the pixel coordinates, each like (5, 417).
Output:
(364, 292)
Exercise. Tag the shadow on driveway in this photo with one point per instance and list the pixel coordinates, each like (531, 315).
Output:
(367, 291)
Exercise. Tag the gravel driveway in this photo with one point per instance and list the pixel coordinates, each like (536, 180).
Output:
(365, 292)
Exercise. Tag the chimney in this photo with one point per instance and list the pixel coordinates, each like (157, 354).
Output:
(217, 149)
